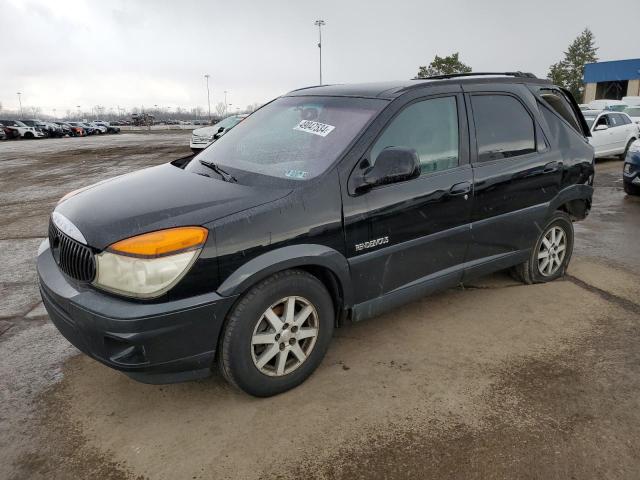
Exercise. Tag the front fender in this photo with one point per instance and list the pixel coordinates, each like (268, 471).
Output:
(284, 258)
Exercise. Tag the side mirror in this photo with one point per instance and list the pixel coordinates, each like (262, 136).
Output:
(393, 164)
(601, 127)
(221, 129)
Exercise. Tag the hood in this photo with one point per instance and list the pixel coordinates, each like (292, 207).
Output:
(155, 198)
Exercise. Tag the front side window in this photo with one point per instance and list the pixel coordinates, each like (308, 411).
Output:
(291, 138)
(430, 127)
(504, 128)
(603, 120)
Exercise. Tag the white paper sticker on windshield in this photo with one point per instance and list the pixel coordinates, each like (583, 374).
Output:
(316, 128)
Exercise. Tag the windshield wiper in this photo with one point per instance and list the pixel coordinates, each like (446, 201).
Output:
(227, 177)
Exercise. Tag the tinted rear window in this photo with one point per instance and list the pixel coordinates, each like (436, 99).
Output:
(504, 128)
(557, 100)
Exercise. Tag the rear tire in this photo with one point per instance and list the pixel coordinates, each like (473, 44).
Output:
(277, 334)
(551, 253)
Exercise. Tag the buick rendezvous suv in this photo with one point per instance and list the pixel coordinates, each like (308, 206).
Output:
(329, 204)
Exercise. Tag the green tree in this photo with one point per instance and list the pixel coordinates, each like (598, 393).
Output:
(568, 72)
(444, 66)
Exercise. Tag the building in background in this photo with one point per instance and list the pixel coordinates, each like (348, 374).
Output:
(611, 80)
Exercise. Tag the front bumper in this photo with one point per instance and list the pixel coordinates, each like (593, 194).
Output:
(631, 173)
(151, 342)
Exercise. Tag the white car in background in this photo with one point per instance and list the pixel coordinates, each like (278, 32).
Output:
(613, 105)
(612, 133)
(25, 131)
(634, 112)
(201, 138)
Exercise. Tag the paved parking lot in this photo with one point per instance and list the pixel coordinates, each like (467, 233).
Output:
(490, 380)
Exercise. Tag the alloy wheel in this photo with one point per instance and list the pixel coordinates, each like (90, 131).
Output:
(284, 336)
(552, 251)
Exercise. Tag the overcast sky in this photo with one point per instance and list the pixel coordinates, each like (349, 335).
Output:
(139, 53)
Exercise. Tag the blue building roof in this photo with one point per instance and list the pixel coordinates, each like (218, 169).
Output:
(611, 71)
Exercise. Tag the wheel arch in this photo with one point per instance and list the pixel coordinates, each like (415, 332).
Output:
(574, 200)
(325, 263)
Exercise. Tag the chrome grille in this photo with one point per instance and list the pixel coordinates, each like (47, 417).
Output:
(73, 258)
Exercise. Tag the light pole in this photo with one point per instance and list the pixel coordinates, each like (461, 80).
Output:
(319, 23)
(78, 107)
(20, 102)
(208, 97)
(226, 106)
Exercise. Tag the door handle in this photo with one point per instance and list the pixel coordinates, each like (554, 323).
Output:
(550, 167)
(462, 188)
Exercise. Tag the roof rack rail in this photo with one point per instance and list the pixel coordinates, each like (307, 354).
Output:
(474, 74)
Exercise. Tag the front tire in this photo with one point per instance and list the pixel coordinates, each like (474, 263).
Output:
(277, 334)
(551, 253)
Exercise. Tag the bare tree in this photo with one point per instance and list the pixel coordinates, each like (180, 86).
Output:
(221, 108)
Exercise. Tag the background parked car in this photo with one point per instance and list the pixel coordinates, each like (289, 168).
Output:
(203, 137)
(613, 105)
(110, 128)
(612, 133)
(67, 130)
(3, 136)
(101, 128)
(37, 124)
(631, 170)
(24, 131)
(633, 112)
(89, 129)
(76, 131)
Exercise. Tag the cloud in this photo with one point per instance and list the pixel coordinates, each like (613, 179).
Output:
(66, 53)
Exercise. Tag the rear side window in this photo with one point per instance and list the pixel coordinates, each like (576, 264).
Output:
(430, 127)
(625, 120)
(561, 105)
(504, 128)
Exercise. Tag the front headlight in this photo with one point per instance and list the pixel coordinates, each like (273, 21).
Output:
(148, 265)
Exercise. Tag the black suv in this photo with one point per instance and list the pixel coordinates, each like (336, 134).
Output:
(331, 203)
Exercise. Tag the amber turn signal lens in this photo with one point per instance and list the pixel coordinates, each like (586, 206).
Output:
(161, 242)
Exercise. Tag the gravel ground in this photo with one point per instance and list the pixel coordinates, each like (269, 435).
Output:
(493, 380)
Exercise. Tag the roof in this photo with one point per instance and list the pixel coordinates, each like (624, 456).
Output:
(612, 71)
(392, 89)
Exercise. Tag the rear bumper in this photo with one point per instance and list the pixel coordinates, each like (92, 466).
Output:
(151, 342)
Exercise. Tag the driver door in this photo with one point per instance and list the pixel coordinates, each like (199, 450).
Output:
(413, 234)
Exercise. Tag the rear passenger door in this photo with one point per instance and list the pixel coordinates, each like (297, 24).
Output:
(516, 174)
(619, 131)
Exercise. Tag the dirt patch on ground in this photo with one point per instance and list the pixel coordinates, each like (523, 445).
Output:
(523, 388)
(567, 415)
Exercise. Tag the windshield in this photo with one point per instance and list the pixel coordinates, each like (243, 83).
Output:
(590, 119)
(616, 108)
(293, 138)
(633, 111)
(228, 122)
